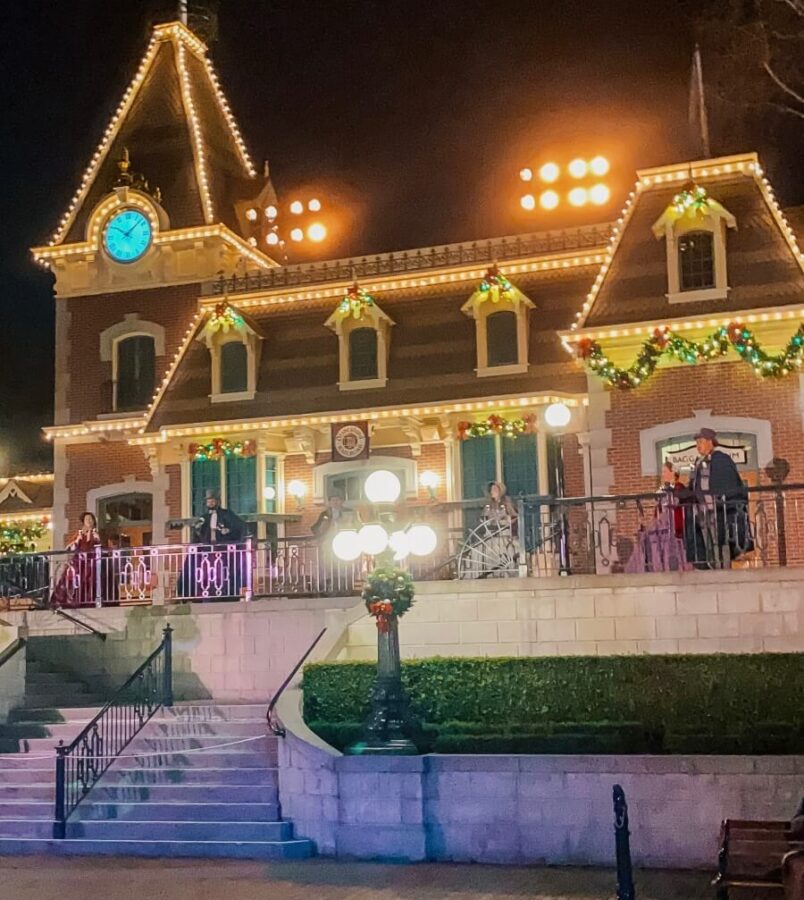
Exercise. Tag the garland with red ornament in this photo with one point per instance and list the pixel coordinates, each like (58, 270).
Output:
(511, 428)
(220, 447)
(388, 592)
(664, 342)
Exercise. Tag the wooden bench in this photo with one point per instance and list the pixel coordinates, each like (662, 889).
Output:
(751, 855)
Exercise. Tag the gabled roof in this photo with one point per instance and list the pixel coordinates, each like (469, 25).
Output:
(765, 264)
(19, 494)
(179, 131)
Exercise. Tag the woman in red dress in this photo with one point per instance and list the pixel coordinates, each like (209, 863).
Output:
(75, 585)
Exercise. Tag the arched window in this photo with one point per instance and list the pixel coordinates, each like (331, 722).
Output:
(234, 367)
(362, 354)
(135, 372)
(501, 337)
(696, 260)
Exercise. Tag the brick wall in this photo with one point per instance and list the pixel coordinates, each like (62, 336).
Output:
(170, 307)
(173, 500)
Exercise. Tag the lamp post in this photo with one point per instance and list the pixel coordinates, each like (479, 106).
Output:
(557, 416)
(388, 594)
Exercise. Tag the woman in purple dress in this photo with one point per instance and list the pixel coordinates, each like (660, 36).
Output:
(660, 546)
(75, 585)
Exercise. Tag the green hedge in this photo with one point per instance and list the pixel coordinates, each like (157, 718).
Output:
(676, 704)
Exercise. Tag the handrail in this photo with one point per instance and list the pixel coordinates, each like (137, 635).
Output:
(273, 725)
(60, 612)
(80, 765)
(12, 650)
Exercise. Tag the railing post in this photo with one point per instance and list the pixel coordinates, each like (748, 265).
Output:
(60, 820)
(622, 845)
(249, 565)
(98, 576)
(520, 543)
(167, 670)
(781, 531)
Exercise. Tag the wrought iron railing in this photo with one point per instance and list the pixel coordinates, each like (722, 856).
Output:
(273, 722)
(496, 250)
(80, 764)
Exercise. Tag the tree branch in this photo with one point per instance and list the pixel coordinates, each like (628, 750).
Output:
(796, 5)
(781, 85)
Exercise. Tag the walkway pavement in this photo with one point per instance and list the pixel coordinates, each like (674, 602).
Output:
(31, 878)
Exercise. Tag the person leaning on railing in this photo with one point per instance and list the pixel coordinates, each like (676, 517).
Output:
(75, 585)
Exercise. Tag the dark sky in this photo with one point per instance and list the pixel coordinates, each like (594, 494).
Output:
(414, 115)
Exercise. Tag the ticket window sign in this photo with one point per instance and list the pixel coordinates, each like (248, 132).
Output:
(682, 453)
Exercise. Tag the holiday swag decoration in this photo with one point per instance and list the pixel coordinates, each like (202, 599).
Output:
(691, 202)
(225, 318)
(220, 447)
(497, 425)
(664, 342)
(355, 302)
(495, 287)
(21, 537)
(388, 592)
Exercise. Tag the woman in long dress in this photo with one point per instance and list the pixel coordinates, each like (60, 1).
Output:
(494, 553)
(75, 585)
(660, 546)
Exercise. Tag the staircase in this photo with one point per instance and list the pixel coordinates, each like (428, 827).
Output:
(174, 793)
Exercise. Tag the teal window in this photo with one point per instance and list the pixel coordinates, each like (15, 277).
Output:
(520, 465)
(501, 337)
(234, 367)
(513, 461)
(271, 482)
(135, 372)
(205, 475)
(241, 484)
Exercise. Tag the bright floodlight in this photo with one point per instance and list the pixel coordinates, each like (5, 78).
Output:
(297, 207)
(578, 168)
(383, 486)
(549, 172)
(272, 238)
(429, 480)
(297, 234)
(400, 544)
(297, 489)
(317, 232)
(599, 165)
(548, 200)
(269, 492)
(557, 415)
(314, 205)
(346, 545)
(578, 196)
(527, 201)
(422, 540)
(271, 212)
(599, 194)
(373, 539)
(251, 215)
(526, 174)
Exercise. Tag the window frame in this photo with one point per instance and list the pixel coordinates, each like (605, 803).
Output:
(244, 361)
(343, 326)
(481, 313)
(509, 315)
(116, 344)
(681, 257)
(376, 348)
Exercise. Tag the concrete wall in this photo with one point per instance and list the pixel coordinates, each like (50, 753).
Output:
(737, 611)
(12, 672)
(527, 809)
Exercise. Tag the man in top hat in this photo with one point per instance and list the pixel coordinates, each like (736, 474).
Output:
(720, 530)
(219, 525)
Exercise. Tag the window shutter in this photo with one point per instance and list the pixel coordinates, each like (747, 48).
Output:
(270, 481)
(241, 484)
(501, 339)
(362, 354)
(234, 368)
(135, 372)
(205, 475)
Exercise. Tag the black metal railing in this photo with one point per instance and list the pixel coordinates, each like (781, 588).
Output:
(80, 764)
(622, 846)
(274, 724)
(588, 238)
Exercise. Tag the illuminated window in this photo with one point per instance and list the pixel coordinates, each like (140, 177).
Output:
(696, 261)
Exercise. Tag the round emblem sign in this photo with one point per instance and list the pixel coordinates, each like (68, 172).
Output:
(350, 441)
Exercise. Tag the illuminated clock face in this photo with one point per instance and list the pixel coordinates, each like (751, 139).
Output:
(127, 235)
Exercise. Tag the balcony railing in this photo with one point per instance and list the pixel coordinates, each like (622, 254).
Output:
(542, 536)
(497, 250)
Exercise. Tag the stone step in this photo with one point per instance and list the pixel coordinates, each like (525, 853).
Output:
(142, 811)
(29, 730)
(50, 714)
(33, 774)
(115, 829)
(253, 712)
(9, 793)
(53, 700)
(211, 759)
(221, 728)
(188, 775)
(273, 850)
(172, 793)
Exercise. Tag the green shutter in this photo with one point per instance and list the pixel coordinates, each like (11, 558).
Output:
(205, 475)
(478, 466)
(270, 481)
(520, 465)
(241, 484)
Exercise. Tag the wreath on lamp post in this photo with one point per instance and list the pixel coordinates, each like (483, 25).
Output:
(388, 592)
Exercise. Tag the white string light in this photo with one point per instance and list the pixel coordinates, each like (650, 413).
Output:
(197, 138)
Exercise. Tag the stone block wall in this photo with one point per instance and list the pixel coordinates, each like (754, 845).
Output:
(12, 671)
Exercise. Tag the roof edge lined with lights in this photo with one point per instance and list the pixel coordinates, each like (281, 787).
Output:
(33, 478)
(648, 179)
(373, 415)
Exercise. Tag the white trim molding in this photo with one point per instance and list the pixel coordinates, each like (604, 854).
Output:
(703, 418)
(343, 326)
(131, 326)
(480, 312)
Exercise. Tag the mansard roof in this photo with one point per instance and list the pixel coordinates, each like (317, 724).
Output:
(181, 136)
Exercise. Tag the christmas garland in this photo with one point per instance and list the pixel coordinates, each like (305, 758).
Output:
(388, 592)
(495, 287)
(691, 202)
(16, 537)
(220, 447)
(664, 342)
(497, 425)
(355, 302)
(225, 318)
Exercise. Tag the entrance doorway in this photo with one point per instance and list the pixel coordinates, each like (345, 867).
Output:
(125, 520)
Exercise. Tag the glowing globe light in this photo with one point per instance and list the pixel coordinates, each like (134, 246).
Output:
(251, 215)
(400, 544)
(549, 172)
(297, 207)
(271, 212)
(314, 205)
(599, 165)
(317, 232)
(422, 540)
(527, 201)
(578, 196)
(269, 492)
(373, 539)
(272, 238)
(548, 200)
(526, 174)
(599, 194)
(429, 480)
(297, 489)
(346, 545)
(382, 487)
(297, 234)
(578, 168)
(557, 415)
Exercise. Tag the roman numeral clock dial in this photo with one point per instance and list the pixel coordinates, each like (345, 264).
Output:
(127, 235)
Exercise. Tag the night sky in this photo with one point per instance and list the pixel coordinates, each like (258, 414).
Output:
(412, 116)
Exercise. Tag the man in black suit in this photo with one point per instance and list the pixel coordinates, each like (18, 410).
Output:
(219, 525)
(216, 570)
(718, 530)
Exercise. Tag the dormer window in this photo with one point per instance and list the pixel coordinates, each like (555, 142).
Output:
(234, 348)
(500, 311)
(364, 335)
(694, 226)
